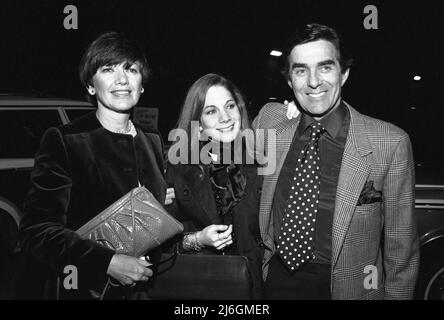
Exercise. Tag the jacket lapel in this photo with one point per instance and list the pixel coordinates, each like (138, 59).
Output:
(355, 170)
(200, 186)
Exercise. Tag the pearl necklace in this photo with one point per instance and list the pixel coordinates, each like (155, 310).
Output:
(129, 128)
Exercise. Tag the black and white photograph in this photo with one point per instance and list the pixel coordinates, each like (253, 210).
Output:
(206, 152)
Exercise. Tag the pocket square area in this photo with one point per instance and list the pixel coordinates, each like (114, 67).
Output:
(369, 194)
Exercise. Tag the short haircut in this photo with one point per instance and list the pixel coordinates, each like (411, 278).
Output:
(110, 49)
(195, 100)
(313, 32)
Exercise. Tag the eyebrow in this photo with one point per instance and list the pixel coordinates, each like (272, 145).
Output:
(326, 62)
(212, 105)
(304, 65)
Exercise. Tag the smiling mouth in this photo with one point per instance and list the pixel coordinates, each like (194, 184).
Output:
(121, 93)
(317, 95)
(226, 129)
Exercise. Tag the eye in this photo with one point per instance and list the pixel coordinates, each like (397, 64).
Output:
(133, 69)
(298, 72)
(107, 69)
(210, 111)
(231, 106)
(326, 68)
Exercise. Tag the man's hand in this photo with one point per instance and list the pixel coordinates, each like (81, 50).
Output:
(128, 270)
(292, 110)
(170, 195)
(216, 235)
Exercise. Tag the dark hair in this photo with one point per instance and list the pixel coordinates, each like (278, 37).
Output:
(110, 49)
(195, 100)
(313, 32)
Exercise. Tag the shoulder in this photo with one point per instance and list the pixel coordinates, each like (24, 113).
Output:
(149, 131)
(178, 170)
(270, 114)
(85, 123)
(377, 129)
(151, 134)
(178, 174)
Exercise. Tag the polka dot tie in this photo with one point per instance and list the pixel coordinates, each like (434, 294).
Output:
(296, 238)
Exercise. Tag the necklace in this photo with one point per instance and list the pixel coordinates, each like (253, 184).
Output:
(130, 129)
(127, 130)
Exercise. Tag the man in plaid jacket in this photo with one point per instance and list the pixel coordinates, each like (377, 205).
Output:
(365, 242)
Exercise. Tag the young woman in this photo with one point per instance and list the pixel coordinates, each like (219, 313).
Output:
(217, 200)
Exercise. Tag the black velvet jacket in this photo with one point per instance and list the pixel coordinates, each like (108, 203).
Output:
(80, 169)
(195, 207)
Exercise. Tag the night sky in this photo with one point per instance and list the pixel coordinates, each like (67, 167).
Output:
(187, 39)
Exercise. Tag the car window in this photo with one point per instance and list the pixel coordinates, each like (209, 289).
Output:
(76, 113)
(21, 130)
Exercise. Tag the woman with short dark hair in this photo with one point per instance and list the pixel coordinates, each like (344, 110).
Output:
(85, 166)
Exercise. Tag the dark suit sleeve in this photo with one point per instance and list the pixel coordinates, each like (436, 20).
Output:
(401, 248)
(43, 229)
(174, 180)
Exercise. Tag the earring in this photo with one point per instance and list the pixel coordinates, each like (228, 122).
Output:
(142, 90)
(92, 91)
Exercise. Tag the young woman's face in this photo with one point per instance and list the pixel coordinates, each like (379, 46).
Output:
(220, 119)
(117, 87)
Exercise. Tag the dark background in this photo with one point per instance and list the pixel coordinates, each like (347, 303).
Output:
(187, 39)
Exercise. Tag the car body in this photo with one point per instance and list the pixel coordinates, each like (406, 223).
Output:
(429, 214)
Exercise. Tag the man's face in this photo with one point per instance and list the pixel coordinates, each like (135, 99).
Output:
(315, 77)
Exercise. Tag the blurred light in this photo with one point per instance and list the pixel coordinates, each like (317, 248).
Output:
(412, 108)
(417, 78)
(275, 53)
(272, 98)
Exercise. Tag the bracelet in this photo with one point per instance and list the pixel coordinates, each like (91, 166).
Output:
(190, 242)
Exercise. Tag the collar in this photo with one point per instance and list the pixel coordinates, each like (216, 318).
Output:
(332, 122)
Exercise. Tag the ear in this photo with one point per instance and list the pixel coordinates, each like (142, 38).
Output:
(91, 90)
(345, 76)
(289, 83)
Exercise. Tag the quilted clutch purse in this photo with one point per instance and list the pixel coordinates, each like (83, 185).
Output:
(133, 225)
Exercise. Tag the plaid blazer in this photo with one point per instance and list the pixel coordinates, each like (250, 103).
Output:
(375, 251)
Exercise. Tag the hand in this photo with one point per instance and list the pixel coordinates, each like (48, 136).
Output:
(216, 235)
(128, 270)
(170, 195)
(292, 110)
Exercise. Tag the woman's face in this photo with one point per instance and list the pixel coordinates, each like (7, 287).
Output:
(117, 87)
(220, 117)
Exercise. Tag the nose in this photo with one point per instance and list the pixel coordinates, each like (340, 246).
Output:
(224, 116)
(313, 79)
(121, 76)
